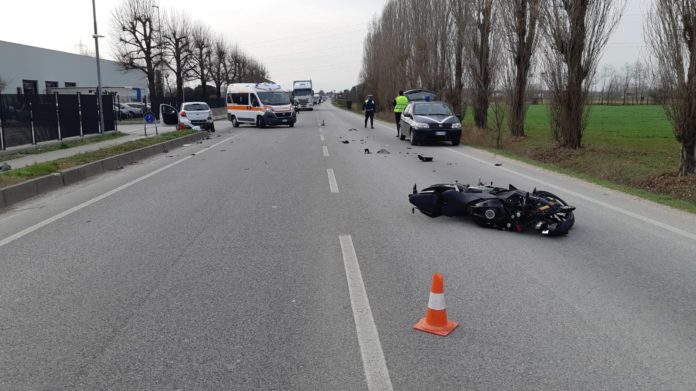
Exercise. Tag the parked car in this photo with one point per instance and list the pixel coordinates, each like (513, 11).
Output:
(419, 94)
(130, 111)
(196, 114)
(430, 121)
(135, 109)
(122, 112)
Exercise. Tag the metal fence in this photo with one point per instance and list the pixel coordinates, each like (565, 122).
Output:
(31, 119)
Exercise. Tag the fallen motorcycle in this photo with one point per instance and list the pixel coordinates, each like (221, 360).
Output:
(496, 207)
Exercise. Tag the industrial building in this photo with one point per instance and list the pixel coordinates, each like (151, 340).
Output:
(32, 70)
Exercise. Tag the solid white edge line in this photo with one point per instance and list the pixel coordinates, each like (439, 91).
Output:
(325, 150)
(94, 200)
(332, 180)
(374, 364)
(625, 212)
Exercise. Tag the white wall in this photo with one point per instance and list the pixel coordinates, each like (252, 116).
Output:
(21, 62)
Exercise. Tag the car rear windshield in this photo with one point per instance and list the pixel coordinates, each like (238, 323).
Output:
(196, 107)
(274, 98)
(432, 109)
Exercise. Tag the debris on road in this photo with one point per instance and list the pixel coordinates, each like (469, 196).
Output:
(322, 123)
(425, 158)
(383, 151)
(352, 130)
(345, 142)
(498, 164)
(367, 151)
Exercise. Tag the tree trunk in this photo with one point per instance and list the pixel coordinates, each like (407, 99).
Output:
(518, 108)
(687, 165)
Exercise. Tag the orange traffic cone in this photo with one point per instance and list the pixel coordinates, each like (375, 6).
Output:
(435, 320)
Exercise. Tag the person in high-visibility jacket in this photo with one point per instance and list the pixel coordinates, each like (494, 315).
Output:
(399, 104)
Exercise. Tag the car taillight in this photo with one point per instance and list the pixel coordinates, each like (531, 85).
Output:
(183, 114)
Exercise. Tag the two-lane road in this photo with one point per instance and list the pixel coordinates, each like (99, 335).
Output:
(283, 258)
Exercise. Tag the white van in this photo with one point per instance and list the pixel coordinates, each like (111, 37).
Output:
(259, 104)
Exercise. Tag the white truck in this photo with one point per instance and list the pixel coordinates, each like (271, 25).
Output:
(303, 95)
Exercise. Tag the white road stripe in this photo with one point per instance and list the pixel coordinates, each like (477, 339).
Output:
(326, 150)
(625, 212)
(94, 200)
(332, 180)
(321, 136)
(374, 364)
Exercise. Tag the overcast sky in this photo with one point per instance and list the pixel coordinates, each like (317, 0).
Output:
(299, 39)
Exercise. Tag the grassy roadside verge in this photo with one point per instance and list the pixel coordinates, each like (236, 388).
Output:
(40, 169)
(66, 144)
(626, 148)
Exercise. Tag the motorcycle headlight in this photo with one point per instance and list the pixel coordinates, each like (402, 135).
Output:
(457, 125)
(422, 126)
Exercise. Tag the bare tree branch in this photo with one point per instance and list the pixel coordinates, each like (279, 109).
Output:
(671, 36)
(575, 32)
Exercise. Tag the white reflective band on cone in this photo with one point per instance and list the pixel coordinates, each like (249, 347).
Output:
(436, 301)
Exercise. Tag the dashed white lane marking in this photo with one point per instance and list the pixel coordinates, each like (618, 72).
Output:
(332, 180)
(321, 136)
(374, 364)
(326, 150)
(85, 204)
(625, 212)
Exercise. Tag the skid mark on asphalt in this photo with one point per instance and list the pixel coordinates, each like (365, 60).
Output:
(374, 364)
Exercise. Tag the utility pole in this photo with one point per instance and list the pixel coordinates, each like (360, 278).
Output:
(96, 37)
(159, 24)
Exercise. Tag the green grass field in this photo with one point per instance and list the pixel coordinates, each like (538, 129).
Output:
(631, 147)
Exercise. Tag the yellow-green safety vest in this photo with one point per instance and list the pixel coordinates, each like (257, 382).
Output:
(401, 103)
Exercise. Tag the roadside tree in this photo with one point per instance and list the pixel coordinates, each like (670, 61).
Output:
(519, 21)
(671, 36)
(177, 49)
(135, 39)
(575, 34)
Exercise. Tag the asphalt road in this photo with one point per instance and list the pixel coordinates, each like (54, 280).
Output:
(283, 259)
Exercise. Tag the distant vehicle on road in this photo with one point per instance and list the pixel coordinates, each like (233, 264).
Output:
(316, 100)
(260, 104)
(303, 94)
(431, 121)
(196, 114)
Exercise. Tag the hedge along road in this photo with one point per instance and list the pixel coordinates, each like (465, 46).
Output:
(227, 270)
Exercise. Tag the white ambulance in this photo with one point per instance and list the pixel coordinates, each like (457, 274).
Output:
(260, 104)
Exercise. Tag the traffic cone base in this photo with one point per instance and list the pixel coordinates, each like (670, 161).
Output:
(443, 331)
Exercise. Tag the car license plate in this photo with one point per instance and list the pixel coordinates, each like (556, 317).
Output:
(285, 120)
(440, 133)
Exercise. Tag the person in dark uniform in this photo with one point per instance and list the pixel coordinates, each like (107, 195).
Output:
(399, 104)
(369, 109)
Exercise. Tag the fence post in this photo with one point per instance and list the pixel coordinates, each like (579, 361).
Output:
(114, 99)
(79, 112)
(2, 125)
(31, 119)
(60, 136)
